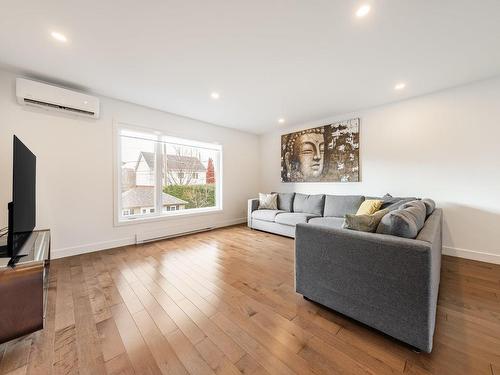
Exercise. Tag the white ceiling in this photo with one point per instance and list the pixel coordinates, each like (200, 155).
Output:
(298, 59)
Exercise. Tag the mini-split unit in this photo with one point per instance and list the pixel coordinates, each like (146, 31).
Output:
(53, 98)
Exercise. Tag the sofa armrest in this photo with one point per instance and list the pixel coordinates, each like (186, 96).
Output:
(384, 281)
(253, 204)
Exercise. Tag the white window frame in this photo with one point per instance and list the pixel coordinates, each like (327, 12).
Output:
(159, 214)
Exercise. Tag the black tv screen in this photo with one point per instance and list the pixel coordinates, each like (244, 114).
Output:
(22, 213)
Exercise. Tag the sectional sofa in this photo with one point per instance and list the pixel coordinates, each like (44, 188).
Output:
(293, 209)
(387, 282)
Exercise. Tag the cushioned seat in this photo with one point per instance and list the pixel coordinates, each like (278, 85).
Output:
(265, 215)
(332, 222)
(293, 218)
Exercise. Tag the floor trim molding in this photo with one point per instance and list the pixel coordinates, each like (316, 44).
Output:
(97, 246)
(471, 254)
(130, 240)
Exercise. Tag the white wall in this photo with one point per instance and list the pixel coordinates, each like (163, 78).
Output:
(75, 170)
(445, 146)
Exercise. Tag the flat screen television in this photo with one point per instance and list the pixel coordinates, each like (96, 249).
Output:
(22, 209)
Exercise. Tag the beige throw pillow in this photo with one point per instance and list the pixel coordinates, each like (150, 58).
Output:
(268, 201)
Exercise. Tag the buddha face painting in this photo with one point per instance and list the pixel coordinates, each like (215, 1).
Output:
(328, 153)
(311, 151)
(304, 156)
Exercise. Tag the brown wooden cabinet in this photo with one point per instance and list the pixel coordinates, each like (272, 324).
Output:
(23, 289)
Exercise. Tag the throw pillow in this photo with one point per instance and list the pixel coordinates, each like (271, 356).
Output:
(430, 205)
(405, 221)
(364, 223)
(369, 207)
(285, 201)
(268, 201)
(394, 202)
(418, 210)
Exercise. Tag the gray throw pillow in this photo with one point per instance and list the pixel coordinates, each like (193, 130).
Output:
(393, 202)
(430, 205)
(418, 210)
(311, 204)
(406, 221)
(397, 203)
(285, 201)
(364, 223)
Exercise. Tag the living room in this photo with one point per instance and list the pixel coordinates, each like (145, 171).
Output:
(256, 188)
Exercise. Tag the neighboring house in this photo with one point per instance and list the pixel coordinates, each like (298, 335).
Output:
(128, 178)
(185, 170)
(144, 169)
(138, 182)
(139, 200)
(180, 170)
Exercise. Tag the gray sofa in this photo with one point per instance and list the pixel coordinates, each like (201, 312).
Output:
(389, 283)
(319, 209)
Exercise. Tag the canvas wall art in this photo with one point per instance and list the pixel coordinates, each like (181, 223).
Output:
(327, 153)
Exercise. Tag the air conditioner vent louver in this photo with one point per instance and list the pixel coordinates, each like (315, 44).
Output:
(59, 107)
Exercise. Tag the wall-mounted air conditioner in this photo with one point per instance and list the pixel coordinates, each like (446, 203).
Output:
(53, 98)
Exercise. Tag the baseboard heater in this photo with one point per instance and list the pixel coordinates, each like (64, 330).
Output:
(162, 234)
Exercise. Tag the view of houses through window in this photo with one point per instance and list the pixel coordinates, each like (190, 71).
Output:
(161, 174)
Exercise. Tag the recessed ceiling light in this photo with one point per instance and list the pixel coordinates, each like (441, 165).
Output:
(281, 120)
(215, 95)
(363, 11)
(400, 86)
(58, 36)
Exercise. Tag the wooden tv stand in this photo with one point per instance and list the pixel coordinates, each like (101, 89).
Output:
(23, 288)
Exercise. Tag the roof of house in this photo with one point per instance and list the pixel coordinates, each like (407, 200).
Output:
(143, 196)
(175, 162)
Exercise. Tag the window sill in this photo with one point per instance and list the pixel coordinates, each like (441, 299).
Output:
(165, 217)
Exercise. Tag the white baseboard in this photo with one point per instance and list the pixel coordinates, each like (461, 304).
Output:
(89, 248)
(471, 254)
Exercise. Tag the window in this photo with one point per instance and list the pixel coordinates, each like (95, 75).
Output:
(159, 175)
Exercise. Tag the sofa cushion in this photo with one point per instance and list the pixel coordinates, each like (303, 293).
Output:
(430, 205)
(285, 201)
(293, 218)
(418, 210)
(311, 204)
(364, 223)
(405, 221)
(332, 222)
(396, 203)
(341, 205)
(389, 200)
(265, 215)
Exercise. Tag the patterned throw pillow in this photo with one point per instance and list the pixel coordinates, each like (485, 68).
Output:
(268, 201)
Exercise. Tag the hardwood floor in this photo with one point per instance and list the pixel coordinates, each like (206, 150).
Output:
(223, 302)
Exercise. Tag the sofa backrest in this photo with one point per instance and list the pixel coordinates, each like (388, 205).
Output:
(311, 204)
(340, 205)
